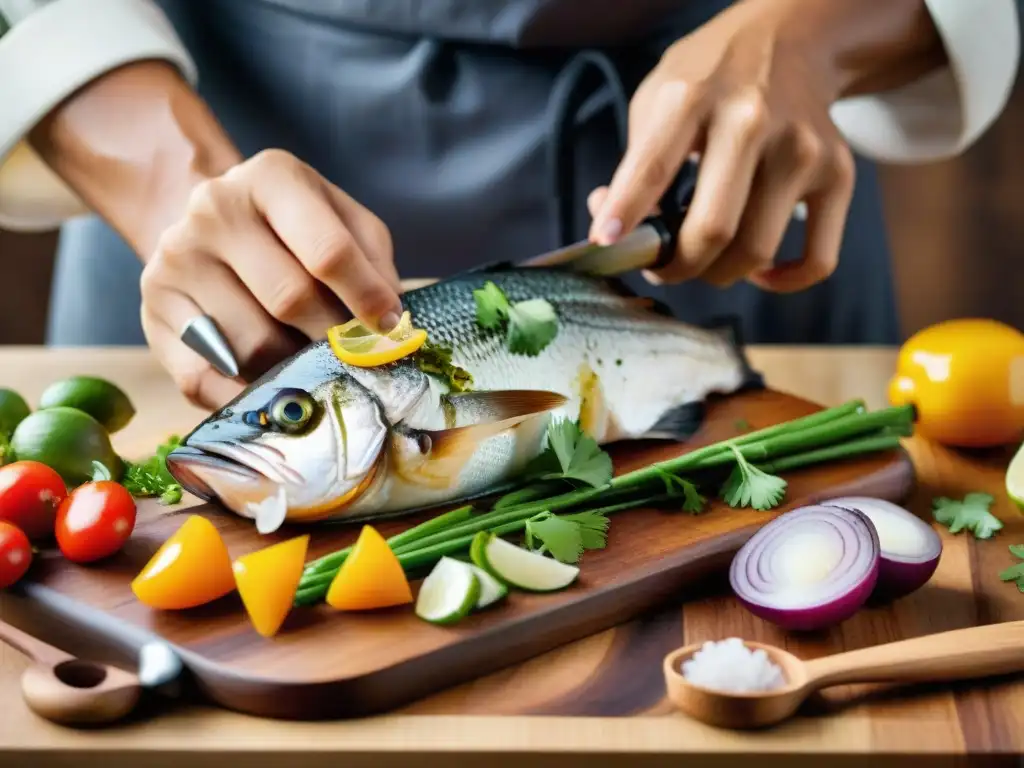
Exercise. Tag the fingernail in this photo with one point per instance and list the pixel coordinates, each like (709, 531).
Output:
(389, 321)
(608, 231)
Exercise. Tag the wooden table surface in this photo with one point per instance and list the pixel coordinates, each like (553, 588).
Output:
(461, 725)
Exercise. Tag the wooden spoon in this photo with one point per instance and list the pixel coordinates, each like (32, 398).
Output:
(70, 691)
(956, 655)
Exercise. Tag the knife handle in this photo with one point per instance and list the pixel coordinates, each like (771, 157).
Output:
(673, 207)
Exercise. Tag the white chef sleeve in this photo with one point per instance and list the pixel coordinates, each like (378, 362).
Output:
(48, 50)
(942, 114)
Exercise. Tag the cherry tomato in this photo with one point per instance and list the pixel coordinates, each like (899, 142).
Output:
(95, 521)
(30, 493)
(15, 554)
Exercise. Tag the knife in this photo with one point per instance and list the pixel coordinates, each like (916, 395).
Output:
(650, 246)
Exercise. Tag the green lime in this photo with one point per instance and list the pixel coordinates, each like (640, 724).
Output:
(69, 441)
(1015, 478)
(13, 409)
(104, 401)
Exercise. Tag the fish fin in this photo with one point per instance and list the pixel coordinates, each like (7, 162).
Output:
(680, 423)
(436, 458)
(730, 328)
(473, 409)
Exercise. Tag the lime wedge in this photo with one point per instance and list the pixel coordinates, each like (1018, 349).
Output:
(1015, 478)
(518, 567)
(491, 590)
(448, 593)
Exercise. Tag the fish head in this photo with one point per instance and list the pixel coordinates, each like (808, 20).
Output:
(310, 433)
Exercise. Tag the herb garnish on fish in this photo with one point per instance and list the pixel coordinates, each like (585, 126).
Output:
(531, 325)
(436, 360)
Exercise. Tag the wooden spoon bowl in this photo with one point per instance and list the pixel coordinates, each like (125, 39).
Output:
(961, 654)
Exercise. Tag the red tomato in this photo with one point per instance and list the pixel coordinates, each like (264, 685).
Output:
(15, 554)
(95, 521)
(30, 493)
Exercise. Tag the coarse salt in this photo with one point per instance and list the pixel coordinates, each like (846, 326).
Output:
(729, 665)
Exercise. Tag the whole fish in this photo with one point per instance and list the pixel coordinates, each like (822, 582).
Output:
(316, 439)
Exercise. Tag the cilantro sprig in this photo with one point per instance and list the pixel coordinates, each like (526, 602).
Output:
(571, 454)
(1015, 573)
(529, 325)
(748, 486)
(971, 514)
(151, 477)
(566, 537)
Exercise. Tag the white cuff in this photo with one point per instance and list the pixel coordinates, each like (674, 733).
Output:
(944, 113)
(45, 58)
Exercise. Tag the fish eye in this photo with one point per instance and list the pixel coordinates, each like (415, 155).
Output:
(291, 409)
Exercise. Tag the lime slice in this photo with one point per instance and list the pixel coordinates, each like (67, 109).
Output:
(520, 567)
(69, 441)
(448, 593)
(1015, 478)
(491, 590)
(357, 345)
(99, 398)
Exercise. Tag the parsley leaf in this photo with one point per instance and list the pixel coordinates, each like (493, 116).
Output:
(491, 306)
(1015, 573)
(530, 325)
(436, 360)
(151, 478)
(566, 537)
(571, 455)
(674, 485)
(748, 486)
(971, 514)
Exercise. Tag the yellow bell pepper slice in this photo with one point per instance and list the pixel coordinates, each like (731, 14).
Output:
(357, 345)
(371, 577)
(191, 568)
(267, 580)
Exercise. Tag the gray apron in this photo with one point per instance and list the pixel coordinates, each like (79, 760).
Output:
(464, 126)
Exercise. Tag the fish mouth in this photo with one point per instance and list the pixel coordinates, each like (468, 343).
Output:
(231, 465)
(190, 466)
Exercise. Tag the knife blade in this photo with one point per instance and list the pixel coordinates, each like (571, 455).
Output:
(646, 247)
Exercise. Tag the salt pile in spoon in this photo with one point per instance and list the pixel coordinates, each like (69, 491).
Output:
(730, 665)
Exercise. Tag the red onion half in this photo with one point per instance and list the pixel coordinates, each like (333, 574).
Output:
(809, 568)
(910, 547)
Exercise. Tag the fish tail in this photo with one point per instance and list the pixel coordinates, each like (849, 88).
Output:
(730, 328)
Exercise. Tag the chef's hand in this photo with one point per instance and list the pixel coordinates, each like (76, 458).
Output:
(750, 91)
(274, 253)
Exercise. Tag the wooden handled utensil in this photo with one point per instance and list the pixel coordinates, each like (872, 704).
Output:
(66, 690)
(960, 654)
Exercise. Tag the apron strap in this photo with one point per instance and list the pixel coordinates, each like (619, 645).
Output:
(568, 95)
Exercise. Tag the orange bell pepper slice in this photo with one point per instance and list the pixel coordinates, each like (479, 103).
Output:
(371, 577)
(267, 580)
(191, 568)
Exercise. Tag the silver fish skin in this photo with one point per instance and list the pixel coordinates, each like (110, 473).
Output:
(315, 439)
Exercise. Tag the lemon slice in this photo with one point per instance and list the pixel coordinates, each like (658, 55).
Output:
(1015, 478)
(357, 345)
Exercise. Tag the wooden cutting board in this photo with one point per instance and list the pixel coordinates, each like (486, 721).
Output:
(325, 664)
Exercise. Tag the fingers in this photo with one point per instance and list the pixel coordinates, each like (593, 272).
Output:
(370, 232)
(790, 167)
(198, 381)
(827, 208)
(221, 226)
(293, 201)
(663, 126)
(735, 140)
